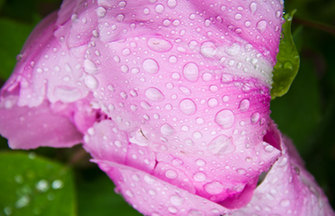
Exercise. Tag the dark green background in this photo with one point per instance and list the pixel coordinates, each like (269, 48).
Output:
(305, 113)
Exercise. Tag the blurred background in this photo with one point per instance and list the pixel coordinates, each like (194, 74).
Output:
(306, 113)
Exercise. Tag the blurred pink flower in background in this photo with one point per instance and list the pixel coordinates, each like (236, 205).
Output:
(171, 99)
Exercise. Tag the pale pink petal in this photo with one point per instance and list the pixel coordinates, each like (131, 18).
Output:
(154, 197)
(288, 189)
(28, 128)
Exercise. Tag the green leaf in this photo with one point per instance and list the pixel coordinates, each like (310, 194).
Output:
(288, 60)
(31, 185)
(96, 196)
(13, 36)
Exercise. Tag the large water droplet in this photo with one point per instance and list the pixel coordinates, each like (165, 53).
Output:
(225, 118)
(176, 200)
(253, 7)
(187, 106)
(159, 45)
(171, 174)
(167, 130)
(261, 25)
(254, 117)
(195, 213)
(208, 49)
(244, 105)
(150, 66)
(221, 145)
(199, 177)
(91, 82)
(89, 66)
(67, 94)
(191, 71)
(154, 94)
(172, 3)
(214, 187)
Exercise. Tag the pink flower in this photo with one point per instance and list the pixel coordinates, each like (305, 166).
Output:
(171, 98)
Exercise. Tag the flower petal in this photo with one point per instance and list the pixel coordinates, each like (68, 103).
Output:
(288, 189)
(152, 196)
(28, 128)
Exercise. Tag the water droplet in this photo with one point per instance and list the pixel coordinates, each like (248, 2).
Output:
(42, 185)
(57, 184)
(101, 11)
(172, 210)
(221, 145)
(171, 174)
(167, 129)
(187, 106)
(212, 102)
(288, 65)
(225, 118)
(208, 49)
(238, 16)
(90, 67)
(200, 162)
(254, 117)
(159, 8)
(159, 45)
(7, 210)
(22, 201)
(284, 203)
(226, 78)
(172, 59)
(261, 25)
(91, 82)
(154, 94)
(191, 71)
(253, 7)
(199, 177)
(172, 3)
(244, 105)
(195, 213)
(129, 193)
(150, 66)
(214, 187)
(176, 200)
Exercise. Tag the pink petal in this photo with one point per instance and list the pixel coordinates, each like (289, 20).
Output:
(288, 189)
(152, 196)
(28, 128)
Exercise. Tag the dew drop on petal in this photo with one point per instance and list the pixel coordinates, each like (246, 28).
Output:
(172, 3)
(208, 49)
(261, 25)
(167, 129)
(150, 65)
(187, 106)
(253, 7)
(91, 82)
(254, 117)
(159, 45)
(199, 177)
(191, 71)
(225, 118)
(154, 94)
(176, 200)
(214, 188)
(221, 145)
(89, 66)
(244, 105)
(171, 174)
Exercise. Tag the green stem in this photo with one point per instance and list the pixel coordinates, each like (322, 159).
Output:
(317, 25)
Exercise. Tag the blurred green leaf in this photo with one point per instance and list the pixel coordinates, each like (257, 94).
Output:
(13, 36)
(288, 60)
(97, 197)
(31, 185)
